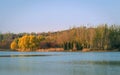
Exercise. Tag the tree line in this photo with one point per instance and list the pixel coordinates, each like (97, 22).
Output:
(101, 37)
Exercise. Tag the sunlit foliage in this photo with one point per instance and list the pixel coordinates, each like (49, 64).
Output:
(101, 37)
(14, 45)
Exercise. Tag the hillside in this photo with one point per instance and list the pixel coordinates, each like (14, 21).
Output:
(102, 37)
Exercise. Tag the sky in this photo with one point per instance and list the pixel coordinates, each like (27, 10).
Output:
(53, 15)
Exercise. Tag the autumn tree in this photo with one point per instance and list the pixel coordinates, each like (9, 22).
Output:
(14, 45)
(101, 37)
(114, 36)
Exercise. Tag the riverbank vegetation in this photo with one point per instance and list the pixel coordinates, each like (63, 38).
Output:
(102, 37)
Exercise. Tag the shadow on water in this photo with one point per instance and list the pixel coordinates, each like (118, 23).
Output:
(117, 63)
(24, 55)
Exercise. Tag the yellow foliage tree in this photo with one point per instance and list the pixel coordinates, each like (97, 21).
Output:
(28, 43)
(23, 43)
(33, 42)
(14, 45)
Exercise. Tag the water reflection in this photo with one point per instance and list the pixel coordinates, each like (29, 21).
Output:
(60, 64)
(24, 55)
(95, 67)
(96, 62)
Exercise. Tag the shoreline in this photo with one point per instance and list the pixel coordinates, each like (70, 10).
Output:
(62, 50)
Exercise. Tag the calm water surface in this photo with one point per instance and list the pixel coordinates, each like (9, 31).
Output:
(59, 63)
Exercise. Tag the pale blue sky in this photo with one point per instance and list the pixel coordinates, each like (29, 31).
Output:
(52, 15)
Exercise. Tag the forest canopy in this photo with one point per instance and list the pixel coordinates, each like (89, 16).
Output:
(102, 37)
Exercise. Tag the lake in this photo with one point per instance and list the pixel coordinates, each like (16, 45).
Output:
(59, 63)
